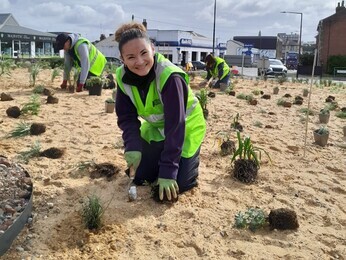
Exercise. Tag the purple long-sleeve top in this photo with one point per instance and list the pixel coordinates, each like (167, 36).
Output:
(174, 98)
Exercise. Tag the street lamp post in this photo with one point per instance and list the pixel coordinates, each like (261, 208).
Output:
(300, 34)
(214, 27)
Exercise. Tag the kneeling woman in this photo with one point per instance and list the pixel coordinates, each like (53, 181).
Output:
(164, 146)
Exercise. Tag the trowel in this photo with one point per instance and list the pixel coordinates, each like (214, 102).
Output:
(131, 188)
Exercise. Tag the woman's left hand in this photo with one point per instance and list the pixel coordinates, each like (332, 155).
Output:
(169, 186)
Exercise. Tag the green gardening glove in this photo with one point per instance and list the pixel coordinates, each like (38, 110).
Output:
(169, 186)
(133, 158)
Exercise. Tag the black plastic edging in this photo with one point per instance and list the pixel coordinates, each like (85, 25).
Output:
(12, 232)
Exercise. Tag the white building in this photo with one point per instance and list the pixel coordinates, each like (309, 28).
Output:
(176, 45)
(109, 47)
(19, 41)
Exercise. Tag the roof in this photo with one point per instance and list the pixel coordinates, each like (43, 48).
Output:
(339, 13)
(9, 25)
(108, 42)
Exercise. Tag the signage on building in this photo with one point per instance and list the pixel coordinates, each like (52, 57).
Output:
(185, 42)
(222, 46)
(25, 37)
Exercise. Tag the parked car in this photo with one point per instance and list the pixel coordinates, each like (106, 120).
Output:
(198, 65)
(276, 68)
(114, 61)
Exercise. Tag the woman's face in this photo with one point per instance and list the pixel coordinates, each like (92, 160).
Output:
(138, 56)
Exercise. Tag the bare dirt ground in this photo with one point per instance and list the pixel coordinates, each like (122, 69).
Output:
(201, 224)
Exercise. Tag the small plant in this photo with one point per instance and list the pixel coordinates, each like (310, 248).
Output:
(32, 107)
(110, 100)
(5, 66)
(258, 124)
(203, 98)
(92, 81)
(75, 75)
(323, 130)
(241, 96)
(252, 218)
(281, 102)
(256, 92)
(281, 79)
(305, 110)
(22, 129)
(38, 89)
(34, 71)
(34, 151)
(55, 73)
(324, 111)
(341, 114)
(247, 151)
(92, 212)
(332, 105)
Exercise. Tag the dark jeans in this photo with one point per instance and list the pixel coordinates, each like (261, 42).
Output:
(226, 80)
(148, 169)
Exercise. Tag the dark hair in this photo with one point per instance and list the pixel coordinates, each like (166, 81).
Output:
(130, 31)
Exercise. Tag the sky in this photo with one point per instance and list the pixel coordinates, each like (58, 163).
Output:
(91, 18)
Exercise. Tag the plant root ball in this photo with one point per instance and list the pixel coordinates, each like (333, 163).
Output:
(37, 129)
(245, 170)
(155, 195)
(107, 170)
(13, 112)
(283, 219)
(52, 153)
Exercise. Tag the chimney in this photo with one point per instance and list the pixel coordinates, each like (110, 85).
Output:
(145, 23)
(340, 7)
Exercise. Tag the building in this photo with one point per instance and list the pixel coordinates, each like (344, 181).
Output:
(331, 36)
(184, 46)
(260, 46)
(109, 47)
(18, 40)
(176, 45)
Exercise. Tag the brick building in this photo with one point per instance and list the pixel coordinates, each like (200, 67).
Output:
(331, 36)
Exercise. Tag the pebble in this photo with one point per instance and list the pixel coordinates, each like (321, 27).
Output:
(20, 249)
(50, 205)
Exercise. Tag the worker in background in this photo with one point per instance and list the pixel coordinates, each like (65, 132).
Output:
(80, 53)
(217, 68)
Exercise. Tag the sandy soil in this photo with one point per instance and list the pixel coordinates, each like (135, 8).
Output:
(200, 224)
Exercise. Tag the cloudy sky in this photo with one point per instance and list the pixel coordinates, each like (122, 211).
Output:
(233, 17)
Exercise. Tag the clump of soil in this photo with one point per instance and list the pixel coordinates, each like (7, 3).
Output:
(266, 96)
(107, 170)
(211, 94)
(5, 97)
(343, 109)
(52, 153)
(13, 112)
(232, 93)
(47, 92)
(253, 102)
(52, 100)
(245, 170)
(287, 95)
(287, 104)
(283, 219)
(330, 99)
(37, 129)
(227, 147)
(156, 197)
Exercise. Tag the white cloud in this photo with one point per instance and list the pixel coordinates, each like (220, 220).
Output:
(4, 5)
